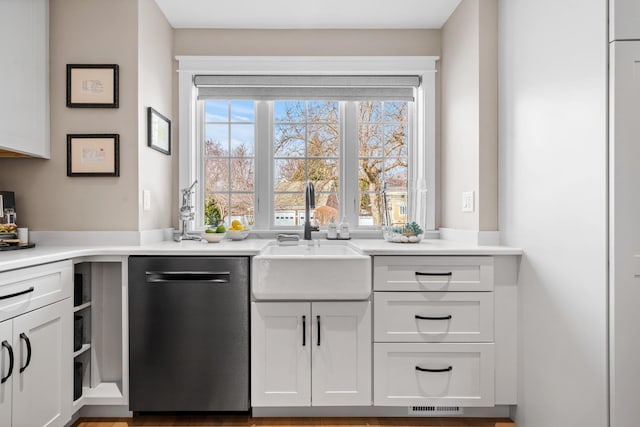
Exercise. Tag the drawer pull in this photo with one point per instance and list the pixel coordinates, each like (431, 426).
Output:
(10, 350)
(26, 291)
(448, 274)
(449, 317)
(449, 369)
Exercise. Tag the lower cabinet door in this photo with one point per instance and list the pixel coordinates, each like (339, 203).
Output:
(341, 353)
(42, 346)
(6, 371)
(451, 374)
(280, 354)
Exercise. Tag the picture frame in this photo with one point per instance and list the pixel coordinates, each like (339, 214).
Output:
(92, 86)
(158, 131)
(93, 155)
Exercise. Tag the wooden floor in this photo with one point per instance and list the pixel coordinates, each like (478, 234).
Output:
(245, 421)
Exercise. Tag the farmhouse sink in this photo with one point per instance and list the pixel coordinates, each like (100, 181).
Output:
(305, 272)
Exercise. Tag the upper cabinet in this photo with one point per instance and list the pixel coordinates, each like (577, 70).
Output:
(24, 78)
(624, 20)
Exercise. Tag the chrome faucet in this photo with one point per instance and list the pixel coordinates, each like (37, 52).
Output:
(309, 203)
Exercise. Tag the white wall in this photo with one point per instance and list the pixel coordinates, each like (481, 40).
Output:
(553, 58)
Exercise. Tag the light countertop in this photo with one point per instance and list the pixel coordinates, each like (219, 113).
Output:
(42, 254)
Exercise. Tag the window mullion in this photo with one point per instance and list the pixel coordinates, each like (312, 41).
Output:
(262, 165)
(349, 163)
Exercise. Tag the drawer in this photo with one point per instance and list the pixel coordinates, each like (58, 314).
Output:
(452, 374)
(432, 273)
(433, 316)
(33, 287)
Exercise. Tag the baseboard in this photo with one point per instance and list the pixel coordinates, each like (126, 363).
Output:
(501, 411)
(472, 237)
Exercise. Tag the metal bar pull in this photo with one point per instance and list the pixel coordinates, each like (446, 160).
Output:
(26, 339)
(318, 320)
(447, 274)
(6, 345)
(449, 369)
(433, 318)
(188, 276)
(304, 331)
(26, 291)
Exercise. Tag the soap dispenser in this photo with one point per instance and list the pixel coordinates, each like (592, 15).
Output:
(344, 229)
(332, 229)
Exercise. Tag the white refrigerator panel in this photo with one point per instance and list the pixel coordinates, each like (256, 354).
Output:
(624, 20)
(624, 158)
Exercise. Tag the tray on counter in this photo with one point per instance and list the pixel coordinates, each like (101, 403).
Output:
(13, 247)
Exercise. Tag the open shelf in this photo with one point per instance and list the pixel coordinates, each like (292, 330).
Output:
(84, 348)
(82, 306)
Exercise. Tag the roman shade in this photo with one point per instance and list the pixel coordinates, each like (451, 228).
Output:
(310, 87)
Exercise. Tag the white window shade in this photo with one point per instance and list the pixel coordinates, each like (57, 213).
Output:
(336, 88)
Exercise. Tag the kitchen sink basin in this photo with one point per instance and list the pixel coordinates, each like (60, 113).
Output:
(305, 272)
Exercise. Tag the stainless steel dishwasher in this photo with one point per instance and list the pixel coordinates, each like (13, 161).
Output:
(188, 334)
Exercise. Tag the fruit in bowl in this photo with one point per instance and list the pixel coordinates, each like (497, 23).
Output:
(409, 233)
(237, 231)
(214, 235)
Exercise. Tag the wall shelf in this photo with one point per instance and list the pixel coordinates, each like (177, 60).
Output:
(84, 348)
(82, 306)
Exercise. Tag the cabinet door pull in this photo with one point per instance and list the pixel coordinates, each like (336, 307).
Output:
(447, 274)
(318, 319)
(26, 339)
(8, 347)
(449, 317)
(26, 291)
(449, 369)
(304, 331)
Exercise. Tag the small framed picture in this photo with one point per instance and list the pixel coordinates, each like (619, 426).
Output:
(92, 85)
(93, 155)
(158, 131)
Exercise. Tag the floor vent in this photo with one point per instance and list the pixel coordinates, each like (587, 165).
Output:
(422, 411)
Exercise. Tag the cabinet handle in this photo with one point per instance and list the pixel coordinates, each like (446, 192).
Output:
(433, 318)
(26, 291)
(8, 347)
(449, 369)
(26, 339)
(448, 274)
(304, 331)
(318, 319)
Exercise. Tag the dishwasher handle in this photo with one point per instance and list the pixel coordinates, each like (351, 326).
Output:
(188, 276)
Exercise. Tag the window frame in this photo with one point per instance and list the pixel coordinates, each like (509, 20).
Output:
(421, 181)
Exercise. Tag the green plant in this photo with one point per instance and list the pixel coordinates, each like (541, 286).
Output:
(211, 213)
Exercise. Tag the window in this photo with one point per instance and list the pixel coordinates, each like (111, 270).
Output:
(228, 161)
(306, 146)
(365, 140)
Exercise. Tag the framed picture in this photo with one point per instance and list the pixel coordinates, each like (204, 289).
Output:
(92, 86)
(93, 155)
(158, 131)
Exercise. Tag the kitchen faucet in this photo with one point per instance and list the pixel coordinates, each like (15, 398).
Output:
(309, 203)
(186, 214)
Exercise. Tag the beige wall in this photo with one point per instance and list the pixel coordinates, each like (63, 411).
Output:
(155, 77)
(306, 42)
(469, 115)
(84, 32)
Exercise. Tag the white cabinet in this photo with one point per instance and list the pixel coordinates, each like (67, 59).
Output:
(310, 354)
(36, 346)
(624, 20)
(434, 331)
(24, 78)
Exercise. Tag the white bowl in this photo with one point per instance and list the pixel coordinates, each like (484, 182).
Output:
(237, 234)
(395, 237)
(213, 237)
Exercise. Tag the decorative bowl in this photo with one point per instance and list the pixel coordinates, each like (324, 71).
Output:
(397, 235)
(213, 237)
(237, 234)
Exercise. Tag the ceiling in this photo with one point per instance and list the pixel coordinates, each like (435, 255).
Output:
(304, 14)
